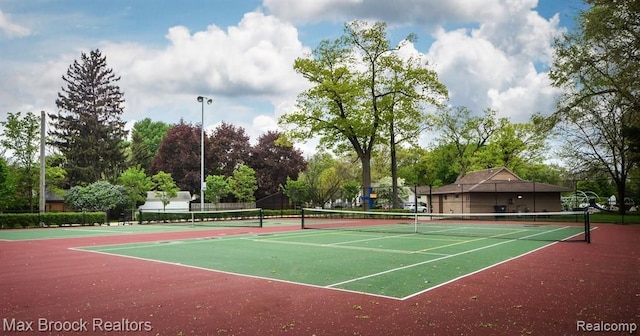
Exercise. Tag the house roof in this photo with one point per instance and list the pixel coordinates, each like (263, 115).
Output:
(496, 180)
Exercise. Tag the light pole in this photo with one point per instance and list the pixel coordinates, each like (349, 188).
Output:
(202, 99)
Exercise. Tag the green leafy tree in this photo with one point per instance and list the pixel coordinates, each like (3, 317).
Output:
(350, 190)
(516, 146)
(55, 174)
(325, 177)
(297, 191)
(166, 188)
(407, 88)
(598, 68)
(217, 188)
(466, 133)
(348, 105)
(243, 183)
(87, 128)
(136, 183)
(98, 196)
(146, 137)
(21, 139)
(6, 190)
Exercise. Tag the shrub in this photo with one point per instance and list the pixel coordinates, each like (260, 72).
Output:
(24, 220)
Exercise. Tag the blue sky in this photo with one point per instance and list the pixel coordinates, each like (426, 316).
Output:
(489, 53)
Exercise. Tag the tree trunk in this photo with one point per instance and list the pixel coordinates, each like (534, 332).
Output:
(394, 168)
(365, 160)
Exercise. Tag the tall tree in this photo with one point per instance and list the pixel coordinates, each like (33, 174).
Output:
(517, 146)
(146, 136)
(87, 128)
(408, 86)
(228, 149)
(598, 68)
(6, 189)
(179, 155)
(346, 104)
(274, 161)
(21, 139)
(468, 134)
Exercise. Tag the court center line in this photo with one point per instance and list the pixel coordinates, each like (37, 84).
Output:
(440, 258)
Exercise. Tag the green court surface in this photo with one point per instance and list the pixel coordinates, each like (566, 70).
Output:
(91, 231)
(390, 265)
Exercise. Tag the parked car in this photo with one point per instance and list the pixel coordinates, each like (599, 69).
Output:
(422, 207)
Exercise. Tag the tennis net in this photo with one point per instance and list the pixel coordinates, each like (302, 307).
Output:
(545, 226)
(221, 218)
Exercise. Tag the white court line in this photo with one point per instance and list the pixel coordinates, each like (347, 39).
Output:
(359, 248)
(438, 259)
(368, 239)
(129, 246)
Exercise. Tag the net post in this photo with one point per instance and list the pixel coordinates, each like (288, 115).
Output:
(140, 217)
(302, 217)
(587, 226)
(261, 215)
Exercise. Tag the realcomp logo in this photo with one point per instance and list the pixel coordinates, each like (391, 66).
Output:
(602, 326)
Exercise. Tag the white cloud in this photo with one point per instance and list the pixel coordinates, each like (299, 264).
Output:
(11, 29)
(426, 12)
(493, 66)
(521, 32)
(469, 67)
(253, 59)
(495, 60)
(491, 63)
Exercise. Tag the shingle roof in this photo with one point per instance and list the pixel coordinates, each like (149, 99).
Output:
(496, 180)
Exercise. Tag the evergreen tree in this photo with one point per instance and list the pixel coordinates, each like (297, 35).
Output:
(87, 129)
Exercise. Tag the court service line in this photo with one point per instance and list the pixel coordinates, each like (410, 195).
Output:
(358, 248)
(160, 243)
(468, 241)
(368, 239)
(438, 259)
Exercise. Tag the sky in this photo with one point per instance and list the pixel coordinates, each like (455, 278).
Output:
(489, 53)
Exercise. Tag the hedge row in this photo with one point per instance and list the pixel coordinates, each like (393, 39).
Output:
(148, 217)
(24, 220)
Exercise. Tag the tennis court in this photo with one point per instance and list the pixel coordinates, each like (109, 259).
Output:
(353, 276)
(386, 261)
(157, 222)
